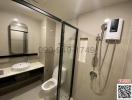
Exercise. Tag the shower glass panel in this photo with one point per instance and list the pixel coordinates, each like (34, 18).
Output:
(67, 62)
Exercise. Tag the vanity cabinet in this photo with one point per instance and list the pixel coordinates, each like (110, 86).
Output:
(19, 80)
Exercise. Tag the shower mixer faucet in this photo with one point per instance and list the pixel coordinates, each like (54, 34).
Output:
(93, 75)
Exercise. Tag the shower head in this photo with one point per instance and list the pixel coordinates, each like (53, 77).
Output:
(104, 26)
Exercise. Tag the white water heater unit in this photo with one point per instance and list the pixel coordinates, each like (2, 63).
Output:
(114, 29)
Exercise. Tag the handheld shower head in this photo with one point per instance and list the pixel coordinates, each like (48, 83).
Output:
(104, 26)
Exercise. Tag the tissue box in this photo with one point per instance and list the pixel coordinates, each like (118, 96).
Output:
(1, 72)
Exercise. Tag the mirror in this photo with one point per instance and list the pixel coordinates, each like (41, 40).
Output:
(25, 31)
(17, 33)
(20, 30)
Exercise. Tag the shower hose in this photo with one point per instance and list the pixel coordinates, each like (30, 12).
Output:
(98, 61)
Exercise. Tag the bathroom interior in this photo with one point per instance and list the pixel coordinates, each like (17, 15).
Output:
(64, 50)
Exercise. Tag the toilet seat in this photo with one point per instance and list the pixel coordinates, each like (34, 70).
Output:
(49, 85)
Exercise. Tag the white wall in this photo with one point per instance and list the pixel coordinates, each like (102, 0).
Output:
(89, 25)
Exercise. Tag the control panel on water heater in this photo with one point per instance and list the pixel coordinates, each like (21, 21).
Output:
(114, 29)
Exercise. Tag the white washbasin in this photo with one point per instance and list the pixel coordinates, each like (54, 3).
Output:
(20, 66)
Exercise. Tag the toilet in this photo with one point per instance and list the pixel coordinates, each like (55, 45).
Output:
(50, 86)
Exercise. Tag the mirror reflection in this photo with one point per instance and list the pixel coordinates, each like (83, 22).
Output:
(20, 31)
(17, 38)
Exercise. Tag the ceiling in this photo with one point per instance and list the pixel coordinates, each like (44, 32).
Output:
(64, 9)
(68, 9)
(12, 7)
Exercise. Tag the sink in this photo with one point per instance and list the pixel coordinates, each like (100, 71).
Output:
(20, 66)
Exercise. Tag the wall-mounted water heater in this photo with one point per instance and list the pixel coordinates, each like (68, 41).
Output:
(114, 29)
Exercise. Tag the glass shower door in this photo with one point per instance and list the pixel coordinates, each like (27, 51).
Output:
(69, 42)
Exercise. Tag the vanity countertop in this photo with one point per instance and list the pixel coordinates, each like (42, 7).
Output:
(9, 72)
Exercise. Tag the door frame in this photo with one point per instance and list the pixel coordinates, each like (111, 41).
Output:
(61, 60)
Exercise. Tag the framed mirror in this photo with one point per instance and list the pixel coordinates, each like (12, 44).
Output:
(17, 35)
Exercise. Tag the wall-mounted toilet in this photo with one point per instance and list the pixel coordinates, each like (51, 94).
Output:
(49, 87)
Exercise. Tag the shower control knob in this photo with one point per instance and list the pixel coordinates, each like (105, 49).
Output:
(93, 75)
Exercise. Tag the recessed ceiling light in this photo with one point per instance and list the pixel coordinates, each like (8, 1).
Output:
(15, 19)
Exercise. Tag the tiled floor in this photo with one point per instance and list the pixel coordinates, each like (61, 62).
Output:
(30, 92)
(63, 95)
